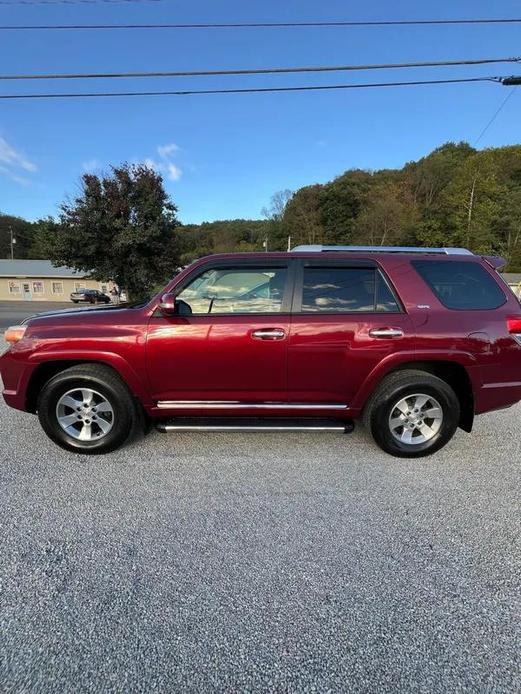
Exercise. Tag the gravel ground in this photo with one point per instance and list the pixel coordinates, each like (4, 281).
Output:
(226, 562)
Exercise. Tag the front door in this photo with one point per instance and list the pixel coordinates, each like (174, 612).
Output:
(346, 320)
(229, 342)
(26, 291)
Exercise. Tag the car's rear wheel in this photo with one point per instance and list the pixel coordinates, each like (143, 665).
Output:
(88, 409)
(412, 413)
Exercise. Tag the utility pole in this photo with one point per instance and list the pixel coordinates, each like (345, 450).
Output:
(289, 244)
(470, 208)
(13, 241)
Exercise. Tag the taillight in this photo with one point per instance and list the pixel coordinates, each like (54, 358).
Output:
(15, 333)
(514, 328)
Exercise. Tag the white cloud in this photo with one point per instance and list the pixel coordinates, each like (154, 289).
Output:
(151, 164)
(165, 165)
(91, 165)
(174, 172)
(12, 163)
(165, 151)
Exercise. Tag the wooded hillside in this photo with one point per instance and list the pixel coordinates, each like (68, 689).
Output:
(455, 196)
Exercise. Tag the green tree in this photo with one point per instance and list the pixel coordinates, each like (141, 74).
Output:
(120, 227)
(387, 217)
(303, 216)
(226, 236)
(22, 231)
(471, 204)
(431, 174)
(278, 232)
(340, 204)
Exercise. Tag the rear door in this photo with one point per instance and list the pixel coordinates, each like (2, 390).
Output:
(346, 319)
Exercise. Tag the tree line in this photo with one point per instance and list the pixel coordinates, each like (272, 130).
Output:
(123, 226)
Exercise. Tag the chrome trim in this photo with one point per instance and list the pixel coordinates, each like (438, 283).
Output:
(269, 334)
(238, 405)
(317, 248)
(386, 332)
(246, 428)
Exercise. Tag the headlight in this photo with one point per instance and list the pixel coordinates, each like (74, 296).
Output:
(15, 333)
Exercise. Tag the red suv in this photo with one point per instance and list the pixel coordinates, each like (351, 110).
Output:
(413, 341)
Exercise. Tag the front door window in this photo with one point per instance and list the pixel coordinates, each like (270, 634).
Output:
(235, 290)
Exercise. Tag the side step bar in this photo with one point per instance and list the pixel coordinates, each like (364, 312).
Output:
(253, 425)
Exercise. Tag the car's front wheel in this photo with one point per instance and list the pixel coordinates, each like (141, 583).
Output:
(88, 409)
(412, 413)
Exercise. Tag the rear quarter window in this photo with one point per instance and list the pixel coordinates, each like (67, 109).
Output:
(461, 285)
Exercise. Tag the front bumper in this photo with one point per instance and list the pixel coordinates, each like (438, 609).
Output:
(15, 374)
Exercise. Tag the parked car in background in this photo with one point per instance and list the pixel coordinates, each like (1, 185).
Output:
(91, 296)
(413, 342)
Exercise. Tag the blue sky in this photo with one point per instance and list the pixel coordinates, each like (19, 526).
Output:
(224, 156)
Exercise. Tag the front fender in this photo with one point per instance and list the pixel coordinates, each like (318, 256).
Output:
(134, 381)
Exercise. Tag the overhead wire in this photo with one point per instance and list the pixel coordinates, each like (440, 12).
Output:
(496, 114)
(72, 2)
(250, 90)
(259, 71)
(239, 25)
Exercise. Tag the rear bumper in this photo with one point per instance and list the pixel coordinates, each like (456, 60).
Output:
(497, 396)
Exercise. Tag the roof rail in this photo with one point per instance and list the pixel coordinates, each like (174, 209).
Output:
(317, 248)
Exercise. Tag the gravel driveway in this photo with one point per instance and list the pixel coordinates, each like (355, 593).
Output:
(225, 562)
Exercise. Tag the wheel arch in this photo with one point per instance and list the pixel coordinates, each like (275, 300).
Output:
(50, 368)
(452, 372)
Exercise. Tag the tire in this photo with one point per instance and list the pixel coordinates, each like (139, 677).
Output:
(106, 430)
(74, 301)
(384, 420)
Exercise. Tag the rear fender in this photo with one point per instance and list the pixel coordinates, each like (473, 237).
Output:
(413, 360)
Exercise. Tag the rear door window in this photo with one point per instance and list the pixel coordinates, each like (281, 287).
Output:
(461, 285)
(346, 290)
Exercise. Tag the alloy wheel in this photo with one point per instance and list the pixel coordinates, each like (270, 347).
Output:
(415, 419)
(85, 414)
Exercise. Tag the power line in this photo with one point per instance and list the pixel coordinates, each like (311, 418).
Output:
(248, 90)
(496, 114)
(68, 2)
(241, 25)
(258, 71)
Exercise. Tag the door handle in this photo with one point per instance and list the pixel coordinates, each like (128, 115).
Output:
(384, 333)
(268, 334)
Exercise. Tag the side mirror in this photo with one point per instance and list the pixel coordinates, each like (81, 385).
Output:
(167, 305)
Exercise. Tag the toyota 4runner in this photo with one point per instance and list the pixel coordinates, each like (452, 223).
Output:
(415, 342)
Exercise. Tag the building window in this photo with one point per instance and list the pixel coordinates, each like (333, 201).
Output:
(57, 287)
(38, 287)
(103, 288)
(79, 285)
(14, 287)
